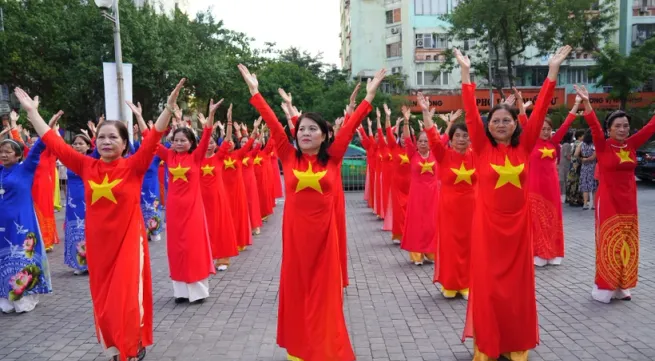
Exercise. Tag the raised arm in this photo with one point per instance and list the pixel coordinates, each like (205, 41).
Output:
(345, 135)
(33, 157)
(564, 128)
(639, 138)
(208, 128)
(536, 120)
(597, 133)
(474, 123)
(410, 147)
(142, 158)
(436, 145)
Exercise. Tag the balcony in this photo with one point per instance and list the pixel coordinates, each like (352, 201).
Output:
(429, 55)
(643, 8)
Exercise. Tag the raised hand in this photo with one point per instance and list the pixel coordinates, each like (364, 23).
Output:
(214, 106)
(527, 104)
(27, 103)
(560, 55)
(288, 99)
(202, 120)
(407, 113)
(387, 110)
(462, 60)
(55, 118)
(250, 79)
(377, 113)
(510, 100)
(256, 124)
(151, 124)
(13, 118)
(100, 121)
(85, 132)
(229, 115)
(353, 99)
(519, 100)
(136, 109)
(172, 98)
(373, 84)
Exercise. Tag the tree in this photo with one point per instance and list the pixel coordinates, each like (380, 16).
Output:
(625, 73)
(504, 29)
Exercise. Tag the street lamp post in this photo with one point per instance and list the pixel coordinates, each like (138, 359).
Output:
(106, 5)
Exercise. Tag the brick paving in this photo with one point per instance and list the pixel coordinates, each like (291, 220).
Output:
(393, 310)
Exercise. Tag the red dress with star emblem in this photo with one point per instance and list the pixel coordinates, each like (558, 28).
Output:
(455, 214)
(236, 192)
(264, 175)
(369, 188)
(250, 183)
(222, 236)
(311, 324)
(545, 197)
(401, 170)
(187, 236)
(379, 209)
(387, 177)
(421, 218)
(116, 243)
(502, 310)
(275, 170)
(617, 223)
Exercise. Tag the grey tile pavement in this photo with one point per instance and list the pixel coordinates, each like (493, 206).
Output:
(393, 310)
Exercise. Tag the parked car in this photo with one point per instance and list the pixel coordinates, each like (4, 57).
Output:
(646, 162)
(353, 168)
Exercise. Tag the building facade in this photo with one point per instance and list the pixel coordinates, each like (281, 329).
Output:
(166, 5)
(408, 37)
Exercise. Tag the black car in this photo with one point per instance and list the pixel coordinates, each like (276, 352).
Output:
(646, 162)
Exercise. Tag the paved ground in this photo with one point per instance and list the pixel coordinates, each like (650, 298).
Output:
(393, 310)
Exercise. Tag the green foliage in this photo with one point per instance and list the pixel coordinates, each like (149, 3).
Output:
(55, 49)
(625, 73)
(504, 29)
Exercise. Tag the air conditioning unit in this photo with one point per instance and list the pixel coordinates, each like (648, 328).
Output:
(396, 70)
(419, 43)
(395, 30)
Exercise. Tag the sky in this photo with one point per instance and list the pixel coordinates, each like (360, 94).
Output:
(311, 25)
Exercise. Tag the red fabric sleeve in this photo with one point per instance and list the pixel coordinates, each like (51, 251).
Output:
(639, 138)
(342, 139)
(391, 139)
(410, 147)
(596, 131)
(536, 121)
(563, 129)
(73, 160)
(474, 123)
(283, 146)
(141, 160)
(436, 145)
(523, 120)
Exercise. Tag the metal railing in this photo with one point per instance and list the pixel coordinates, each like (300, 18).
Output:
(353, 173)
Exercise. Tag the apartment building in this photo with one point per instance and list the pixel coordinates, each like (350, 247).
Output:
(408, 37)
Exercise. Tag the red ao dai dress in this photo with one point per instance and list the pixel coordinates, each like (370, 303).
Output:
(617, 222)
(401, 170)
(187, 237)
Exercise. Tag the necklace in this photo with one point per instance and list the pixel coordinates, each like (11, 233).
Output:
(2, 189)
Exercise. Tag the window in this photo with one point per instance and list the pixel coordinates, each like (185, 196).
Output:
(432, 78)
(469, 44)
(394, 50)
(431, 41)
(578, 76)
(393, 16)
(430, 7)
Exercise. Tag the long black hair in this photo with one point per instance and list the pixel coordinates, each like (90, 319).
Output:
(588, 139)
(514, 142)
(189, 136)
(323, 157)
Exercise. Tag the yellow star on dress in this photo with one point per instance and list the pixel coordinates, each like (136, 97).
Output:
(103, 190)
(257, 160)
(229, 163)
(547, 153)
(390, 156)
(245, 160)
(403, 158)
(309, 179)
(624, 156)
(508, 173)
(179, 172)
(426, 167)
(207, 170)
(463, 174)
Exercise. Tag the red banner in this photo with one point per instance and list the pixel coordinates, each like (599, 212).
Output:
(603, 101)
